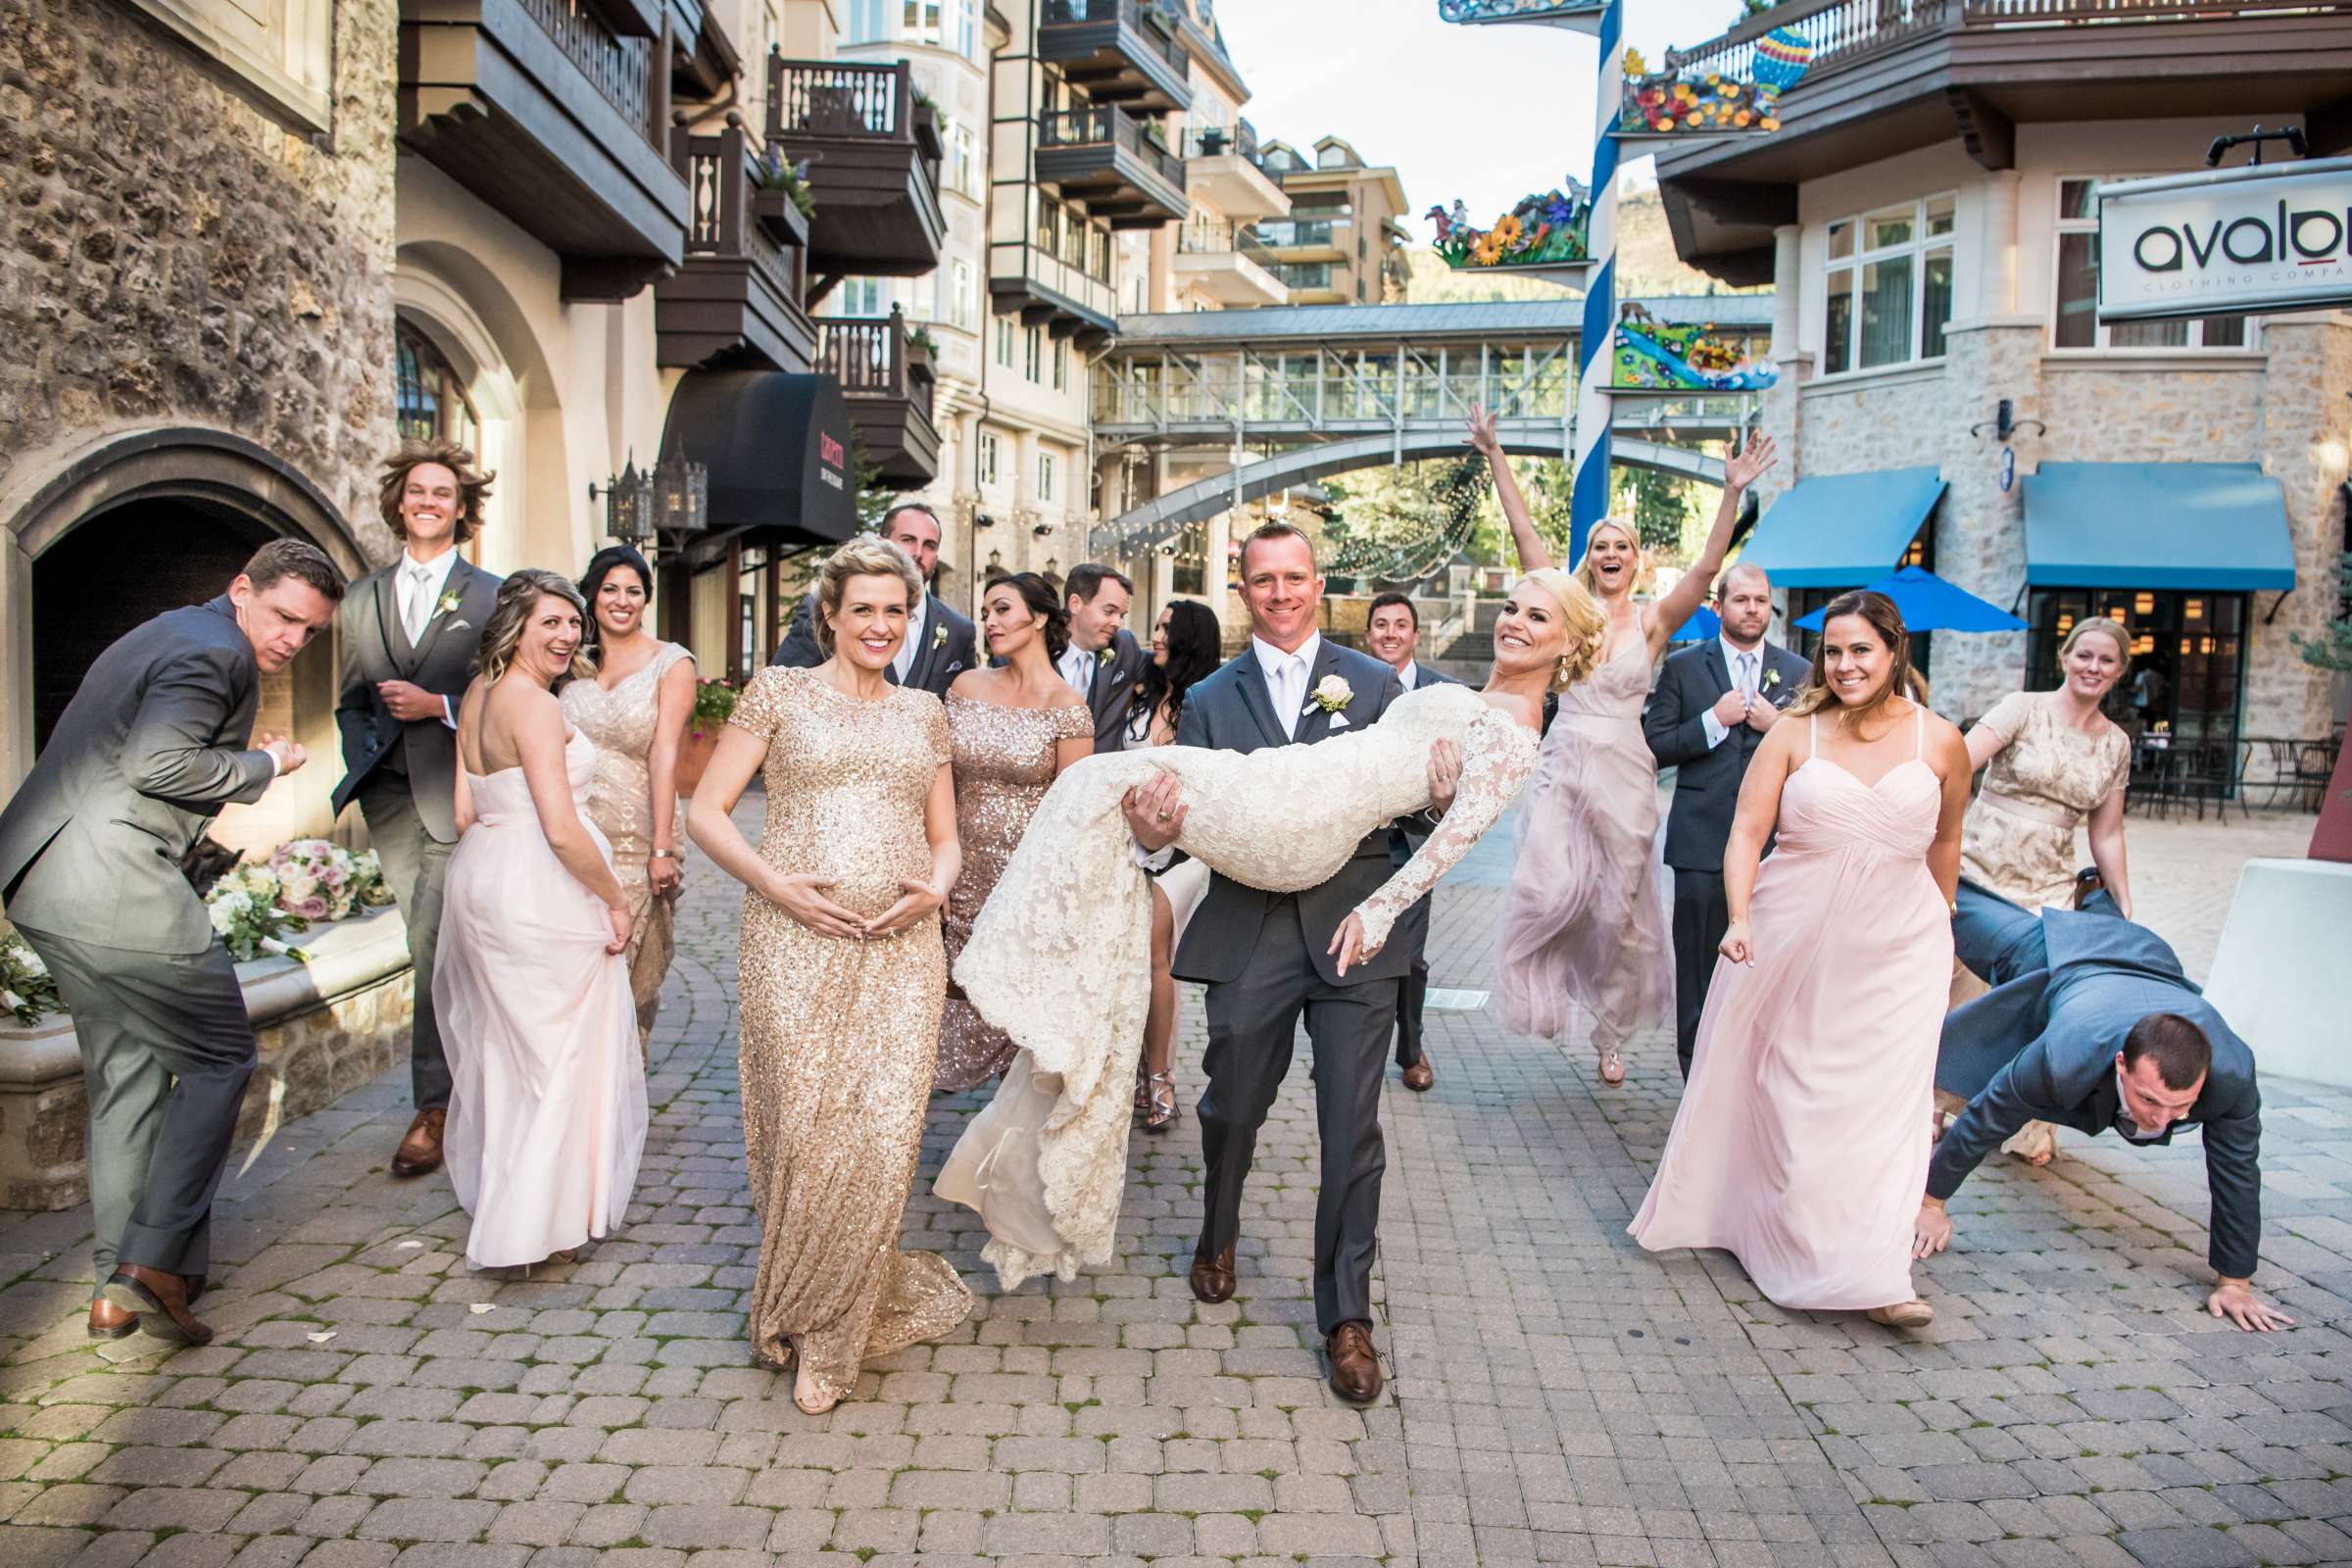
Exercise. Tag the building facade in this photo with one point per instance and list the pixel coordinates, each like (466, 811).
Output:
(1342, 241)
(1928, 220)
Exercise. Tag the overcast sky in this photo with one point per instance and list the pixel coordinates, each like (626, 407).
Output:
(1487, 114)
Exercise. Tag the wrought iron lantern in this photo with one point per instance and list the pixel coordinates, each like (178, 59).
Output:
(629, 504)
(681, 496)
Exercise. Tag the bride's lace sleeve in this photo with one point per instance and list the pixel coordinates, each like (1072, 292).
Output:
(1496, 757)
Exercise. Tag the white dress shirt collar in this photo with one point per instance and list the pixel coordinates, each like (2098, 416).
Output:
(917, 628)
(1731, 655)
(1271, 659)
(432, 576)
(1409, 676)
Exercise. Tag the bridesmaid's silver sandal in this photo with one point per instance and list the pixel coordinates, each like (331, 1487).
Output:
(1159, 1110)
(1612, 1065)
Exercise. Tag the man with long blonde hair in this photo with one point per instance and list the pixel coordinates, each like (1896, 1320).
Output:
(406, 638)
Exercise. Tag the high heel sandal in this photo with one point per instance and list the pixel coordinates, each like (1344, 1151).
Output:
(1612, 1065)
(826, 1407)
(1159, 1111)
(1904, 1315)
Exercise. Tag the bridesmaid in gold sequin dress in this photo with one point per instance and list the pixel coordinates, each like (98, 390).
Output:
(635, 709)
(842, 975)
(1014, 728)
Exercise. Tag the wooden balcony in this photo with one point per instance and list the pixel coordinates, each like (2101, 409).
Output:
(555, 121)
(1056, 292)
(736, 301)
(888, 382)
(1119, 51)
(1104, 158)
(873, 164)
(1891, 77)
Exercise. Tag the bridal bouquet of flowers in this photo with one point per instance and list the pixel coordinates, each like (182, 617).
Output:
(244, 907)
(26, 989)
(315, 880)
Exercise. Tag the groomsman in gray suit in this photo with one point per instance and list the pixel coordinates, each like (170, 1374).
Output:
(1393, 631)
(940, 642)
(1103, 660)
(1265, 957)
(1706, 717)
(407, 638)
(157, 740)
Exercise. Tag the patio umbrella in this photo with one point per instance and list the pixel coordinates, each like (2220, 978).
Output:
(1703, 625)
(1930, 604)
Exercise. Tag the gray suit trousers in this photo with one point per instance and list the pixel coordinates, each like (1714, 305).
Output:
(1252, 1022)
(165, 1051)
(415, 865)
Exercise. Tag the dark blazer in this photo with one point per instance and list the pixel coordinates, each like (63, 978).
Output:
(937, 662)
(371, 645)
(151, 748)
(1707, 779)
(2040, 1046)
(1231, 712)
(1115, 687)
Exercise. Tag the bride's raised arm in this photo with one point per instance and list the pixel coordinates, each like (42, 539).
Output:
(1740, 468)
(1534, 554)
(1493, 768)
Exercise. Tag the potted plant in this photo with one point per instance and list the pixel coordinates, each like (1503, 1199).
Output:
(926, 126)
(921, 347)
(714, 702)
(782, 198)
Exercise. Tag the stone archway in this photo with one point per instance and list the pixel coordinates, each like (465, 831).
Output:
(141, 522)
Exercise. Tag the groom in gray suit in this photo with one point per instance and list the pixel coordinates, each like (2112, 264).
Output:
(1265, 957)
(155, 741)
(407, 637)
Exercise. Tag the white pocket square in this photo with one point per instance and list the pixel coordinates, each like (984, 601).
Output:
(1339, 722)
(459, 624)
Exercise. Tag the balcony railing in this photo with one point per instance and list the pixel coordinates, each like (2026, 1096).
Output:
(819, 98)
(618, 69)
(1200, 237)
(1130, 11)
(869, 357)
(1012, 262)
(1841, 32)
(1109, 125)
(1285, 233)
(1221, 141)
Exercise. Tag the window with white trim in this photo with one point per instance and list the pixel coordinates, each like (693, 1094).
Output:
(1005, 341)
(2075, 294)
(990, 450)
(918, 22)
(966, 38)
(964, 298)
(1033, 359)
(869, 22)
(1061, 365)
(863, 296)
(1044, 476)
(1889, 287)
(964, 160)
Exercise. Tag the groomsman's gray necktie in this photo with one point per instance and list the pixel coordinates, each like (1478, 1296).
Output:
(420, 604)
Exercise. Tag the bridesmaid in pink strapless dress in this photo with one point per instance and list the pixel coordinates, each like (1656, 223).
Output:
(1800, 1146)
(1584, 922)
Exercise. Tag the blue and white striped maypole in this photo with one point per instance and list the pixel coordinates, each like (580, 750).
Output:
(1589, 495)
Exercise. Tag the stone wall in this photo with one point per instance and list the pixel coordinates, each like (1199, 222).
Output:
(172, 255)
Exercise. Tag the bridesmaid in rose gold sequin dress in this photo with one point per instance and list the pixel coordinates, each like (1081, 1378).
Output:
(839, 997)
(1014, 728)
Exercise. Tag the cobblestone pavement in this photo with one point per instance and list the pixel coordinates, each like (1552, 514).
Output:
(1558, 1396)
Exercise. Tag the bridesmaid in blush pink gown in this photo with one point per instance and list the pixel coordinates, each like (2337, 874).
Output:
(1584, 925)
(547, 1109)
(1800, 1146)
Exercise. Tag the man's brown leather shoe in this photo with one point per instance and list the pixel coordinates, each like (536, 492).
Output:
(2087, 883)
(109, 1322)
(1418, 1077)
(1212, 1277)
(158, 1301)
(420, 1154)
(1355, 1364)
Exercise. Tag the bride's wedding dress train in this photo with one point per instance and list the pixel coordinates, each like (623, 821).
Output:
(1059, 958)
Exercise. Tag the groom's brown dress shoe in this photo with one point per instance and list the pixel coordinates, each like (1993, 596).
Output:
(420, 1154)
(2087, 883)
(158, 1301)
(1418, 1077)
(111, 1322)
(1355, 1364)
(1212, 1277)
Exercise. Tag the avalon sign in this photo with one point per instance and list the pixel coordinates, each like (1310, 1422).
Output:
(2270, 237)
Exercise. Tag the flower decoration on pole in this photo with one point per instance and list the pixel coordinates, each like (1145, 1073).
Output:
(1550, 231)
(1692, 99)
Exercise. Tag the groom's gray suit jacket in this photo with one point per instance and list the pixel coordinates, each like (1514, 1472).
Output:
(1231, 712)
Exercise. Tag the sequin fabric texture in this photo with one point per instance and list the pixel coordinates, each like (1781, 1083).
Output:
(620, 803)
(838, 1037)
(1003, 765)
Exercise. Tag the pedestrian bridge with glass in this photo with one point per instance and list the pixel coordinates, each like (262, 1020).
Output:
(1298, 393)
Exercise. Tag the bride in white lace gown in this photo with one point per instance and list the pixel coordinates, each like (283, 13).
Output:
(1059, 958)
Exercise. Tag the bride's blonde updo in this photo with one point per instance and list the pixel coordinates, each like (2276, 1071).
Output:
(1582, 618)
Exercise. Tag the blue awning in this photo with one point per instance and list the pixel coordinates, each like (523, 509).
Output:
(2214, 525)
(1841, 531)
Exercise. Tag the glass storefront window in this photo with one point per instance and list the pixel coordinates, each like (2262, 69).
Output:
(2187, 666)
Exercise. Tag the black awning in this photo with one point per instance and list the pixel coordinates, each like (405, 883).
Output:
(777, 449)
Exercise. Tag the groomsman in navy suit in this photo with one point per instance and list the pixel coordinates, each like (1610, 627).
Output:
(1393, 632)
(1705, 718)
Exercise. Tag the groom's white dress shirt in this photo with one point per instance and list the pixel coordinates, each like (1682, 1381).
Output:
(416, 587)
(1409, 676)
(1746, 667)
(1078, 668)
(1287, 678)
(917, 624)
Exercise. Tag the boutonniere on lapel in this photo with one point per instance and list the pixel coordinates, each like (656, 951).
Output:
(1105, 655)
(939, 639)
(1331, 694)
(448, 601)
(1772, 678)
